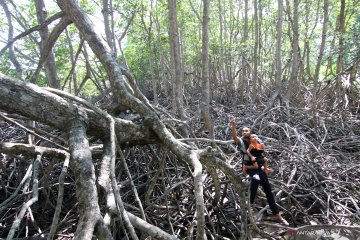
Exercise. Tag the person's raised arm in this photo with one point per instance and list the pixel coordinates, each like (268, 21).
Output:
(233, 130)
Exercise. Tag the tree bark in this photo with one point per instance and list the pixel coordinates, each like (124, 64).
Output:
(84, 171)
(49, 63)
(43, 106)
(148, 30)
(12, 56)
(176, 63)
(278, 67)
(321, 54)
(340, 56)
(107, 23)
(205, 100)
(293, 84)
(244, 62)
(255, 53)
(340, 31)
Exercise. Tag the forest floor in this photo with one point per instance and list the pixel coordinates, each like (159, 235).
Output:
(315, 158)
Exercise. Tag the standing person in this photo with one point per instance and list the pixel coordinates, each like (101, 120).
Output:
(243, 145)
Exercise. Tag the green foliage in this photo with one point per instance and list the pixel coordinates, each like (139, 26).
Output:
(6, 66)
(42, 82)
(90, 6)
(352, 39)
(90, 89)
(226, 46)
(62, 52)
(137, 59)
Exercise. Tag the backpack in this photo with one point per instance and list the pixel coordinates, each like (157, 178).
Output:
(243, 146)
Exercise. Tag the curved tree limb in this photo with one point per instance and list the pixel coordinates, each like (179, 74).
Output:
(48, 46)
(43, 106)
(123, 96)
(31, 30)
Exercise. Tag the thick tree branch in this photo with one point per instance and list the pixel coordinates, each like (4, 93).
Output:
(43, 106)
(85, 180)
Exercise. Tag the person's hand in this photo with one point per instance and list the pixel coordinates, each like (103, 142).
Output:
(244, 168)
(253, 159)
(268, 170)
(232, 120)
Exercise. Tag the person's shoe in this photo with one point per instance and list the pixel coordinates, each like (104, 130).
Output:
(281, 220)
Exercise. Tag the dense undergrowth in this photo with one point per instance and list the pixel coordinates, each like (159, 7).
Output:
(316, 180)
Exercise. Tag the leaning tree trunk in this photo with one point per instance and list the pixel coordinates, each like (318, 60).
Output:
(137, 102)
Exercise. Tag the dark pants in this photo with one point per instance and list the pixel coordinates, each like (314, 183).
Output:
(264, 182)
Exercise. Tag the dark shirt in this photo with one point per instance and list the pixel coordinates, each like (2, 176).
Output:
(259, 157)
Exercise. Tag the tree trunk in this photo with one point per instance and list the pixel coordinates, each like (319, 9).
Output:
(340, 58)
(49, 63)
(320, 55)
(12, 56)
(244, 53)
(280, 82)
(205, 100)
(148, 30)
(255, 54)
(84, 171)
(106, 12)
(43, 106)
(177, 68)
(293, 84)
(340, 31)
(221, 70)
(161, 63)
(278, 67)
(71, 78)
